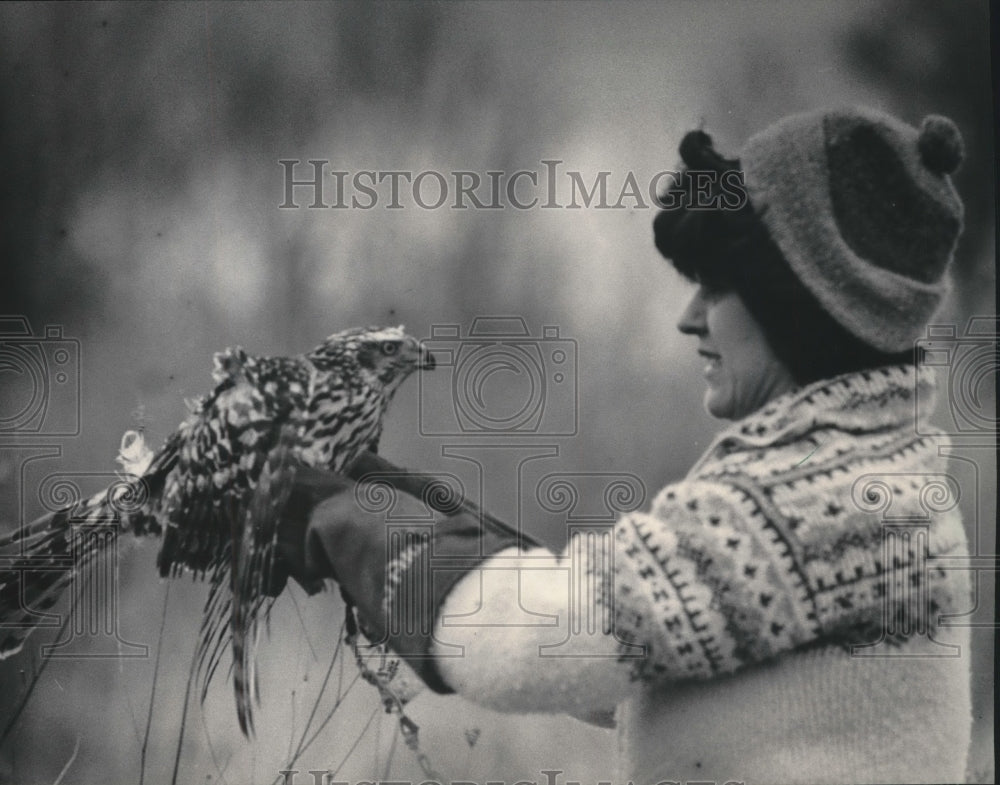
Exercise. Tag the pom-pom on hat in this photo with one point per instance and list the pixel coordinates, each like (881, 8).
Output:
(862, 207)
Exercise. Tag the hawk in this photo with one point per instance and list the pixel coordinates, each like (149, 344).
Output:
(213, 493)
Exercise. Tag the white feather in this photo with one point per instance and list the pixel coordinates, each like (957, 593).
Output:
(134, 454)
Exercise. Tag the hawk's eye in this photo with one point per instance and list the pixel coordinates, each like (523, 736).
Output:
(389, 348)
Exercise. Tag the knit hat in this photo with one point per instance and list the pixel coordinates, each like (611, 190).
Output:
(864, 212)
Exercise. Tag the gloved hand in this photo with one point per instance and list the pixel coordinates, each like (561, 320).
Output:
(337, 493)
(397, 575)
(311, 487)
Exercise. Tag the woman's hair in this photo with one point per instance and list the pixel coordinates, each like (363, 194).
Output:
(711, 234)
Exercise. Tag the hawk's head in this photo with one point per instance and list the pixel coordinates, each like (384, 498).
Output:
(384, 353)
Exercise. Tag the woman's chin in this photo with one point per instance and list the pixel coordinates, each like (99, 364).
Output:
(718, 404)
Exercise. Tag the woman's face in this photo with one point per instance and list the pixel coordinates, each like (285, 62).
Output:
(741, 369)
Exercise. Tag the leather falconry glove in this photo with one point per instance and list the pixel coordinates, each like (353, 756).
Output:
(395, 541)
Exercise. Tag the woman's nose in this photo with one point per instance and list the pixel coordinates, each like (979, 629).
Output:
(692, 321)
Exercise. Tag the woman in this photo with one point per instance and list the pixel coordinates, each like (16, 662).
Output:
(761, 623)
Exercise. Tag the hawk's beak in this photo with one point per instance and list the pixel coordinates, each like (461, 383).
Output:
(428, 361)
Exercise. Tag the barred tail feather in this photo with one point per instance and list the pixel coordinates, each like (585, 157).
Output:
(215, 633)
(244, 681)
(253, 559)
(38, 563)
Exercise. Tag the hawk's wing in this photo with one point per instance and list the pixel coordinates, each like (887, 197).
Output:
(221, 451)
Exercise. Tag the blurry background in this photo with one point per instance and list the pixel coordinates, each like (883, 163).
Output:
(140, 190)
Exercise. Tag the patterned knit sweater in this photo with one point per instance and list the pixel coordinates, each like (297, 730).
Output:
(776, 616)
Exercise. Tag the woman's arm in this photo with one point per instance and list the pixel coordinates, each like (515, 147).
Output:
(701, 585)
(525, 632)
(514, 628)
(507, 620)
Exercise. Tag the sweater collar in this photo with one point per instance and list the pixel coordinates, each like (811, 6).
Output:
(862, 402)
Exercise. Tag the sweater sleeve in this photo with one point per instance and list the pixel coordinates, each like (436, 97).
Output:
(690, 590)
(509, 636)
